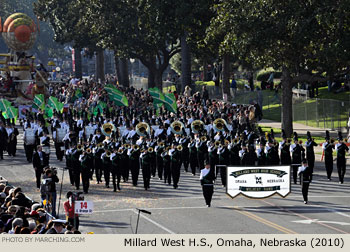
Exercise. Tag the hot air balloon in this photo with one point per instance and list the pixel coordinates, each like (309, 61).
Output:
(19, 32)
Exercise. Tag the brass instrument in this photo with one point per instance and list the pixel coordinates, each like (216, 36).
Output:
(127, 146)
(219, 124)
(120, 151)
(108, 129)
(100, 145)
(150, 150)
(227, 142)
(179, 147)
(197, 126)
(203, 138)
(79, 147)
(108, 153)
(161, 144)
(177, 127)
(135, 147)
(217, 143)
(142, 129)
(88, 150)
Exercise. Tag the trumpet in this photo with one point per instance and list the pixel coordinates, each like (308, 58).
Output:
(217, 143)
(219, 124)
(88, 150)
(197, 126)
(203, 138)
(161, 144)
(135, 147)
(108, 153)
(142, 129)
(120, 151)
(108, 129)
(100, 145)
(176, 127)
(227, 142)
(179, 147)
(79, 147)
(150, 150)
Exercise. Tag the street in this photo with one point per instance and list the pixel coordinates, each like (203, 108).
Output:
(183, 210)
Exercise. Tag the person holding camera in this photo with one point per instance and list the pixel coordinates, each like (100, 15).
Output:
(71, 217)
(48, 188)
(40, 160)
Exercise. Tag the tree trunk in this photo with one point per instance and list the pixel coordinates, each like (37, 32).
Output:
(287, 102)
(151, 79)
(78, 63)
(185, 63)
(205, 71)
(117, 68)
(226, 75)
(100, 65)
(158, 79)
(124, 71)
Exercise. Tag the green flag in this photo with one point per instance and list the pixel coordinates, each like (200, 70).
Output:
(99, 108)
(117, 96)
(77, 95)
(55, 104)
(11, 112)
(170, 102)
(48, 112)
(157, 96)
(157, 106)
(38, 102)
(4, 104)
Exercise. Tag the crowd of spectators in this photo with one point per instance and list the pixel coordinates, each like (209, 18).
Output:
(20, 215)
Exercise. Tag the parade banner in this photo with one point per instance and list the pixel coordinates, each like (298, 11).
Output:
(258, 182)
(23, 109)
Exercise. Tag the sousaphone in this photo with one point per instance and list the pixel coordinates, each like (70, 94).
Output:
(108, 129)
(143, 129)
(219, 124)
(177, 127)
(197, 126)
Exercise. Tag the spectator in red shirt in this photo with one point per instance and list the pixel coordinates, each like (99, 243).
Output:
(73, 219)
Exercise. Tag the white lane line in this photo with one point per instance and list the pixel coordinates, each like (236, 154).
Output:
(155, 223)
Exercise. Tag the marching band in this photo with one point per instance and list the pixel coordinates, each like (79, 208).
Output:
(112, 148)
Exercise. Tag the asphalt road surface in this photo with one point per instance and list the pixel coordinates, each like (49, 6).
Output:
(183, 210)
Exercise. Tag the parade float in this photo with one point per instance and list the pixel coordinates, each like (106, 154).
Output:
(19, 32)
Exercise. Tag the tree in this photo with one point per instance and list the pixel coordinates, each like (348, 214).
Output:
(303, 38)
(145, 30)
(65, 18)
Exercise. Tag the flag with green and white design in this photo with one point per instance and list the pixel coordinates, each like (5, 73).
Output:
(55, 104)
(170, 103)
(117, 96)
(4, 104)
(157, 96)
(38, 102)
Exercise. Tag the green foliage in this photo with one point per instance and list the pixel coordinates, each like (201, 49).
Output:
(264, 74)
(175, 63)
